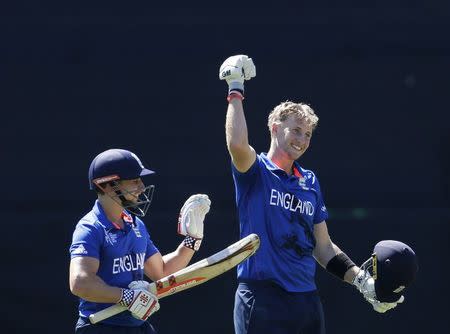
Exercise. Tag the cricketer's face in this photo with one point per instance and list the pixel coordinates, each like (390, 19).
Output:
(131, 189)
(293, 136)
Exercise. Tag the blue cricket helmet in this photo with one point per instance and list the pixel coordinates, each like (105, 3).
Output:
(394, 267)
(116, 164)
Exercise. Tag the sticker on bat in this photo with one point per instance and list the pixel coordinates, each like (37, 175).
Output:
(159, 285)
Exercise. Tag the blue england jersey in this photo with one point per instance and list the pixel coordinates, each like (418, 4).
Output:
(282, 209)
(121, 252)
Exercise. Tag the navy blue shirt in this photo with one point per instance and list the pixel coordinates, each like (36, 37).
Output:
(282, 209)
(121, 252)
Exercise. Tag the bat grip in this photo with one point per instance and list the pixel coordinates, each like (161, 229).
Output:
(115, 309)
(106, 313)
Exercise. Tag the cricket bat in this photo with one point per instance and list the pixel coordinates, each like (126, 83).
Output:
(193, 275)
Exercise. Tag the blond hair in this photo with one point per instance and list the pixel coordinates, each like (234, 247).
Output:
(301, 110)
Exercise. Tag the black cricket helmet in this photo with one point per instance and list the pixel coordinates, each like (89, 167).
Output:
(393, 266)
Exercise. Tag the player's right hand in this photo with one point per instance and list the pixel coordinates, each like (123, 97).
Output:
(382, 307)
(366, 285)
(140, 285)
(235, 70)
(141, 303)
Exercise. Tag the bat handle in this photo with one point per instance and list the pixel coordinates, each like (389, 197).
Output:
(106, 313)
(115, 309)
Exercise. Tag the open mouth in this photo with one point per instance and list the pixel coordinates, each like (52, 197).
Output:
(297, 148)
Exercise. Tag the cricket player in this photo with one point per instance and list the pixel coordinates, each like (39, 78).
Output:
(111, 248)
(282, 202)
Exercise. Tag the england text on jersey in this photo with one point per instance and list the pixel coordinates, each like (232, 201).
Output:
(290, 202)
(128, 262)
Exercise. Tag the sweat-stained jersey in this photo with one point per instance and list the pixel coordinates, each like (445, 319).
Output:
(121, 252)
(282, 209)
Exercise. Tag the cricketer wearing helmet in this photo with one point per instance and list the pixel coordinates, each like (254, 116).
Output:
(282, 202)
(111, 249)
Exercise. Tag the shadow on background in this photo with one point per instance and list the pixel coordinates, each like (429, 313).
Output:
(76, 81)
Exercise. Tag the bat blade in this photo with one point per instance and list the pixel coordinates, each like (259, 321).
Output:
(195, 274)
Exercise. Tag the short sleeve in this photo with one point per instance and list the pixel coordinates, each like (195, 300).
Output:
(151, 248)
(86, 241)
(321, 212)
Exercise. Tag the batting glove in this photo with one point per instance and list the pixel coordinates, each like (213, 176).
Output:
(365, 284)
(140, 285)
(141, 303)
(192, 215)
(235, 70)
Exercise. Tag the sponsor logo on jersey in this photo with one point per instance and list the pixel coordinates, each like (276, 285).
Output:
(127, 263)
(302, 182)
(290, 202)
(136, 231)
(79, 250)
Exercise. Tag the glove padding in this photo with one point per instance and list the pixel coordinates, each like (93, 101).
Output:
(140, 302)
(365, 283)
(235, 70)
(141, 285)
(192, 214)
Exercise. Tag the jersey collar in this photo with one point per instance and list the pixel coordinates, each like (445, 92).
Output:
(274, 168)
(106, 223)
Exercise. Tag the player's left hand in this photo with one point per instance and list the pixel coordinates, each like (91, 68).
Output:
(366, 285)
(192, 215)
(381, 307)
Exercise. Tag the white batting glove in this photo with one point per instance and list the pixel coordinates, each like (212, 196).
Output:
(235, 70)
(140, 285)
(366, 285)
(141, 303)
(192, 214)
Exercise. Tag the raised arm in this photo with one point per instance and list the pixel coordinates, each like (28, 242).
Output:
(235, 70)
